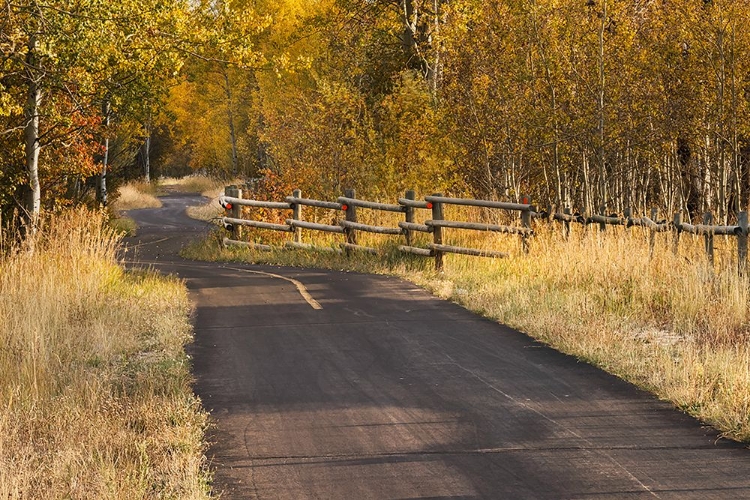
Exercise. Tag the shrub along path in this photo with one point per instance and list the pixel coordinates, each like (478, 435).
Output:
(384, 391)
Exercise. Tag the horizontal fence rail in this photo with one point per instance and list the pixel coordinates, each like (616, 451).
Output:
(438, 223)
(414, 203)
(424, 252)
(610, 220)
(370, 229)
(479, 226)
(327, 228)
(468, 251)
(479, 203)
(313, 203)
(702, 229)
(349, 226)
(234, 202)
(371, 204)
(412, 226)
(570, 218)
(646, 222)
(254, 223)
(228, 200)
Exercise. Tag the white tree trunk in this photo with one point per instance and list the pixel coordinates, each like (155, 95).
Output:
(101, 193)
(147, 154)
(31, 132)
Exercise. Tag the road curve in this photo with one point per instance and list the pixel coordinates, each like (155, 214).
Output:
(386, 392)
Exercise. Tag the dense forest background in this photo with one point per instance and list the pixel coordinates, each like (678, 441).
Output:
(586, 103)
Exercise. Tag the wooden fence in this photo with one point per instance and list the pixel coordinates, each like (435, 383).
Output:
(348, 226)
(708, 230)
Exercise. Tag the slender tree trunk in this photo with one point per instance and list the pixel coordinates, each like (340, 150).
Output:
(587, 201)
(101, 192)
(31, 133)
(553, 103)
(433, 73)
(408, 40)
(736, 163)
(147, 154)
(556, 151)
(230, 120)
(721, 139)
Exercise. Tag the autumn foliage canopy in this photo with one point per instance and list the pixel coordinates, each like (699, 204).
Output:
(585, 103)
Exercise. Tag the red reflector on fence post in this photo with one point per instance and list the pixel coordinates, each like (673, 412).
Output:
(228, 206)
(429, 204)
(344, 207)
(525, 200)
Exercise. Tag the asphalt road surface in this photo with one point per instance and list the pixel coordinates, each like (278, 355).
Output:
(336, 385)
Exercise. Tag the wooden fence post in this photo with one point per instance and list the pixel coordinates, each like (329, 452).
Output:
(351, 216)
(742, 243)
(525, 222)
(297, 215)
(602, 212)
(236, 210)
(708, 220)
(410, 195)
(566, 224)
(437, 234)
(230, 191)
(627, 213)
(237, 214)
(677, 230)
(652, 235)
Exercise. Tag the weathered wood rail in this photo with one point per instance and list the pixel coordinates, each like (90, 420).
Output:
(349, 226)
(438, 223)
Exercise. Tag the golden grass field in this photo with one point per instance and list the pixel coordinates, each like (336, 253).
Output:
(135, 195)
(193, 184)
(95, 386)
(670, 323)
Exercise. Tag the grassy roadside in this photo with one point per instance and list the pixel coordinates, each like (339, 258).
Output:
(95, 386)
(669, 324)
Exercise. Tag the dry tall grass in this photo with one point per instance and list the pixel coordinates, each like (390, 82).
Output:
(95, 396)
(669, 323)
(211, 209)
(135, 195)
(193, 184)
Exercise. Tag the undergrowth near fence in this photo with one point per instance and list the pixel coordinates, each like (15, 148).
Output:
(669, 323)
(95, 388)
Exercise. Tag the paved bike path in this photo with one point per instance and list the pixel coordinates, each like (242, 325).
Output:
(386, 392)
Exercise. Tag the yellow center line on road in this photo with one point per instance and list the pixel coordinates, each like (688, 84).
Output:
(300, 287)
